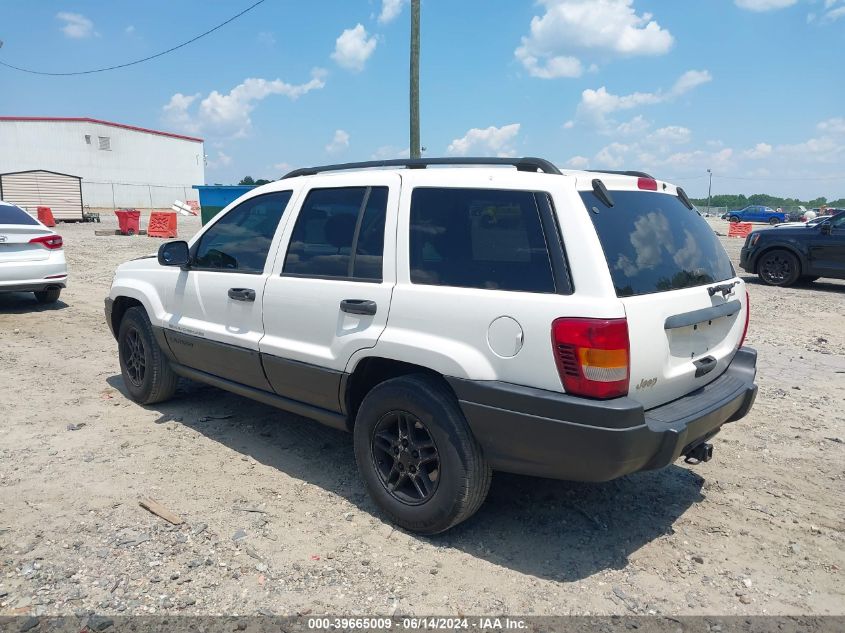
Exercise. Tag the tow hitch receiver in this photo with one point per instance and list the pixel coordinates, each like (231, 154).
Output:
(701, 453)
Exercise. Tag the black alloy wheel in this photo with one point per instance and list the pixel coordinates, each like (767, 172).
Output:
(134, 358)
(779, 268)
(405, 457)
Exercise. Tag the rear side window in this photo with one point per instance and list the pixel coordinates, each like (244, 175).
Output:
(479, 238)
(240, 240)
(339, 234)
(10, 214)
(653, 243)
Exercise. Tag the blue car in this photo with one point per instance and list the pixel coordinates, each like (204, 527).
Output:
(758, 213)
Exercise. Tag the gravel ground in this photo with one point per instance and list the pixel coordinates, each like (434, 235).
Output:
(276, 520)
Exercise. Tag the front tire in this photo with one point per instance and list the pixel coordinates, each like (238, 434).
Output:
(417, 456)
(51, 295)
(146, 371)
(779, 268)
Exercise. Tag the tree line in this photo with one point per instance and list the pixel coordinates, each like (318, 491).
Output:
(738, 201)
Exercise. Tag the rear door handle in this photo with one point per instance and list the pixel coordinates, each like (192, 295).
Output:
(242, 294)
(358, 306)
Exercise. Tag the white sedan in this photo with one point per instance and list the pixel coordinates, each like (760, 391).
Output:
(31, 256)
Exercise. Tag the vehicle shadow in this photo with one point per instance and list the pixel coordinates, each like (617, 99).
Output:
(25, 302)
(556, 530)
(822, 285)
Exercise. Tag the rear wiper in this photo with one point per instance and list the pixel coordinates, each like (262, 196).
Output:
(725, 289)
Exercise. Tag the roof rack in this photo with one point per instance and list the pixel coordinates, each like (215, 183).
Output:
(522, 164)
(638, 174)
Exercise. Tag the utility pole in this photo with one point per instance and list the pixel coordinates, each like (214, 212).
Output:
(415, 79)
(709, 190)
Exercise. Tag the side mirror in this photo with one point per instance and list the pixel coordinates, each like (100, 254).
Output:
(825, 228)
(174, 254)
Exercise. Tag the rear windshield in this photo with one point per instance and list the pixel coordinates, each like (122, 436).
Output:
(10, 214)
(653, 243)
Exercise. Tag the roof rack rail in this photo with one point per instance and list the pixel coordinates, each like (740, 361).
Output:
(638, 174)
(522, 164)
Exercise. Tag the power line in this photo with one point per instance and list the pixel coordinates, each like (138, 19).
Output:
(137, 61)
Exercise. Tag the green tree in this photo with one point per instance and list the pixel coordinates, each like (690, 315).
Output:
(247, 180)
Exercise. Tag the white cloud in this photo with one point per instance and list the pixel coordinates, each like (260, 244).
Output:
(571, 28)
(491, 140)
(386, 152)
(833, 126)
(834, 14)
(353, 48)
(671, 135)
(228, 115)
(578, 162)
(596, 105)
(339, 142)
(130, 30)
(390, 10)
(76, 25)
(761, 150)
(764, 5)
(282, 168)
(221, 160)
(635, 126)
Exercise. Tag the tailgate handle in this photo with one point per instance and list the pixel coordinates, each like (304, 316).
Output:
(704, 366)
(705, 314)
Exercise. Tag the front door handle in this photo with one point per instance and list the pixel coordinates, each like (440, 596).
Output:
(358, 306)
(242, 294)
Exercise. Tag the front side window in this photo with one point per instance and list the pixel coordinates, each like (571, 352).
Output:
(479, 238)
(339, 234)
(240, 240)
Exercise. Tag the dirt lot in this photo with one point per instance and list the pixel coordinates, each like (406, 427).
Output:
(278, 522)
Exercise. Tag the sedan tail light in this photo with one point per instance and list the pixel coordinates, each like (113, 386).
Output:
(51, 242)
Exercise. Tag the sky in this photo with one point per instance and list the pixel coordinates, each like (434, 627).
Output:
(752, 89)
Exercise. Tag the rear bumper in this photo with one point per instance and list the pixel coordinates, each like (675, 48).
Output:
(30, 276)
(546, 434)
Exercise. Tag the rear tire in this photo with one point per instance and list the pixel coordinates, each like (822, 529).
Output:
(433, 475)
(146, 371)
(774, 221)
(733, 219)
(779, 267)
(51, 295)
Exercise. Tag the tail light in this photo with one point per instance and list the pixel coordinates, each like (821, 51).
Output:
(747, 318)
(51, 242)
(649, 184)
(592, 356)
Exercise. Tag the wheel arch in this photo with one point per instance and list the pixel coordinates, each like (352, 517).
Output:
(371, 371)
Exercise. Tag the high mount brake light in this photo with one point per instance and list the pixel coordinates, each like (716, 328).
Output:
(592, 356)
(51, 242)
(649, 184)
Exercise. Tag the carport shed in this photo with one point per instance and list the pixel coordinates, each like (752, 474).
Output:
(41, 188)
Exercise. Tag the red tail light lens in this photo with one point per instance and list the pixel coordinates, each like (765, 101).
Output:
(649, 184)
(592, 356)
(747, 318)
(51, 242)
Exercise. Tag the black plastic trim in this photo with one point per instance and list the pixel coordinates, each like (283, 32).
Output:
(636, 174)
(35, 287)
(554, 243)
(704, 314)
(109, 309)
(303, 382)
(329, 418)
(536, 432)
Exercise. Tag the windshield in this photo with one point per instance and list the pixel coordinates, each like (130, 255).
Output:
(653, 243)
(10, 214)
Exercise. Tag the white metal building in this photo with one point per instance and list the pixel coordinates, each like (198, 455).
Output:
(121, 166)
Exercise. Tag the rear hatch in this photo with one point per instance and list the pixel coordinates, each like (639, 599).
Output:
(685, 307)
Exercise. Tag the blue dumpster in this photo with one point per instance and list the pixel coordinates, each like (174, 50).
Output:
(213, 198)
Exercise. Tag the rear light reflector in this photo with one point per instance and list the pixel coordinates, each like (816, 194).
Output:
(649, 184)
(747, 318)
(592, 356)
(51, 242)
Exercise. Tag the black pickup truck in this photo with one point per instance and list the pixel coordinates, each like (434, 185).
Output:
(786, 255)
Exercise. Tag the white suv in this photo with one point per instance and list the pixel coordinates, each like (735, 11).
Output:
(575, 325)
